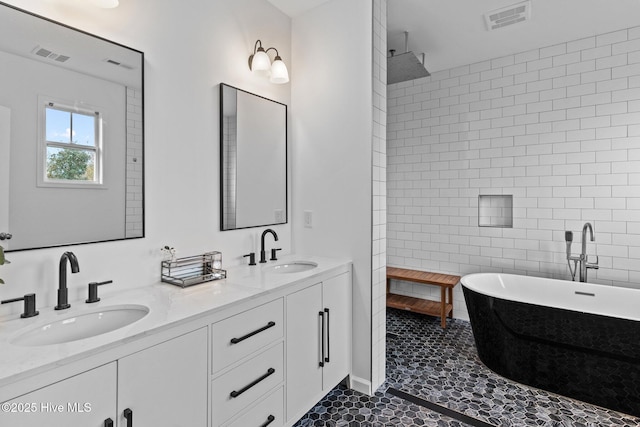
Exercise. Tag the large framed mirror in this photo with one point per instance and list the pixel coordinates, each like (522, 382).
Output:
(71, 135)
(253, 160)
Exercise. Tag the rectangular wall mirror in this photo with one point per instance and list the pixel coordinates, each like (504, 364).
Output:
(71, 135)
(253, 160)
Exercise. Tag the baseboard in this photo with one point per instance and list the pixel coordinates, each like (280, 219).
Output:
(361, 385)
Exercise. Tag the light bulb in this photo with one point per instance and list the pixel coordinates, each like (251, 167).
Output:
(261, 64)
(279, 73)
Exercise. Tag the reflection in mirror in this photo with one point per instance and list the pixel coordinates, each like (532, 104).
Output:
(253, 161)
(71, 135)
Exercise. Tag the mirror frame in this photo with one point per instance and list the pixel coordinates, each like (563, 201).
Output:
(221, 163)
(142, 112)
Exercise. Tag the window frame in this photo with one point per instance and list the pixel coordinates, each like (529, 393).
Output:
(98, 150)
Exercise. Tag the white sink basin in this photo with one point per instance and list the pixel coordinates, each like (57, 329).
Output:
(83, 325)
(292, 267)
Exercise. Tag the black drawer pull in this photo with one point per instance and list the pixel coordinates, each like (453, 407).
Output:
(234, 393)
(108, 422)
(326, 359)
(128, 414)
(270, 419)
(250, 334)
(321, 314)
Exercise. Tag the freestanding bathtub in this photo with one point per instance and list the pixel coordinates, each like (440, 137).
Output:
(576, 339)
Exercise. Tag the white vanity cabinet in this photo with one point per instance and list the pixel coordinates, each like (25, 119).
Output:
(222, 355)
(318, 342)
(247, 366)
(164, 385)
(86, 399)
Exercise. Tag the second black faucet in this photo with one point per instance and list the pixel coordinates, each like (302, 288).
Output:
(263, 253)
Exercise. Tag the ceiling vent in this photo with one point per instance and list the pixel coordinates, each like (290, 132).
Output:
(509, 15)
(46, 53)
(119, 64)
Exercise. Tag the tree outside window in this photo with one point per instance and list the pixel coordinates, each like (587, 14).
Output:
(72, 144)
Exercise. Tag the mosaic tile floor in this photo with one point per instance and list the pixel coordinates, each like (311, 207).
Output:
(441, 367)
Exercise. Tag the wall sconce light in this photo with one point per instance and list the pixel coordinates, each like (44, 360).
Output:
(260, 63)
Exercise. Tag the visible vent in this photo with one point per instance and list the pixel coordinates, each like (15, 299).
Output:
(46, 53)
(119, 64)
(509, 15)
(42, 52)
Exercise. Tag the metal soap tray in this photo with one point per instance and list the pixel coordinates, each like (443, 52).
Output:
(191, 270)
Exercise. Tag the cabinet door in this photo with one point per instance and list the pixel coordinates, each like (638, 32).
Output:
(166, 385)
(304, 374)
(336, 295)
(86, 400)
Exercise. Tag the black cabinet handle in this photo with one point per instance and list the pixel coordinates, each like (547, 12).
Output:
(321, 314)
(326, 359)
(250, 334)
(235, 393)
(270, 419)
(108, 422)
(128, 415)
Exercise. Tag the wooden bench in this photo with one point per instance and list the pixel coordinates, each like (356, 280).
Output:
(442, 308)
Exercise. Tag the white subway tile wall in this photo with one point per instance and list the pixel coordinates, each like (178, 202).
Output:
(557, 127)
(229, 162)
(379, 192)
(135, 189)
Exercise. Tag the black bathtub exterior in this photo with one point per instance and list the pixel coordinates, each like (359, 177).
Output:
(588, 357)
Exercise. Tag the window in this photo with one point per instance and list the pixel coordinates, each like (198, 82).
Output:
(71, 149)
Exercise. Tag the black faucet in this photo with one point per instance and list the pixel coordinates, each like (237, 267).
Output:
(263, 253)
(63, 293)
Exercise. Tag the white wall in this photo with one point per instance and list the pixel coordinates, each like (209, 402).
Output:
(72, 212)
(260, 160)
(557, 127)
(188, 52)
(379, 193)
(332, 153)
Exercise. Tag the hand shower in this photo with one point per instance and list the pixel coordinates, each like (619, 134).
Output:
(568, 237)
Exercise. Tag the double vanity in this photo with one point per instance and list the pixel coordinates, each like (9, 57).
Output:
(258, 348)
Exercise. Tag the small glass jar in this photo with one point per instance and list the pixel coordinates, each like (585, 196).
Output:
(216, 260)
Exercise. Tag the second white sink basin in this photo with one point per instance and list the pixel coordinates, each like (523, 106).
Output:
(83, 325)
(292, 267)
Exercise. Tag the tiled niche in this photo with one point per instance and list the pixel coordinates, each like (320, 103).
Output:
(495, 210)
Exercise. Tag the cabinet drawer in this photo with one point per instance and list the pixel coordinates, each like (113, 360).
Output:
(247, 382)
(270, 410)
(238, 336)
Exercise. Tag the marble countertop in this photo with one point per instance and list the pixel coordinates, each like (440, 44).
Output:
(168, 305)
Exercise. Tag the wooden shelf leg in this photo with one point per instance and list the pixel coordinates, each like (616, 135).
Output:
(443, 308)
(450, 291)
